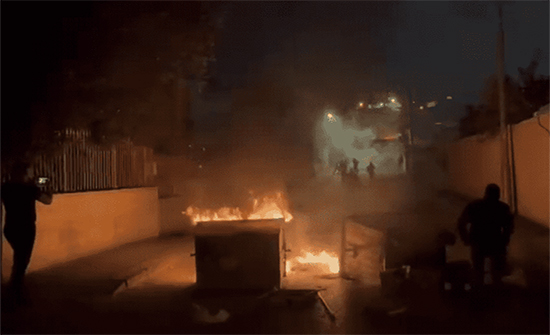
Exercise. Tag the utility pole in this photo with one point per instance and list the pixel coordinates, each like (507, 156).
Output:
(504, 138)
(409, 146)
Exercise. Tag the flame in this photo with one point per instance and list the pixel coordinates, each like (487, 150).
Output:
(221, 214)
(323, 258)
(272, 206)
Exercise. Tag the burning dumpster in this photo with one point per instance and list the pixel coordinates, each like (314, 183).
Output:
(245, 254)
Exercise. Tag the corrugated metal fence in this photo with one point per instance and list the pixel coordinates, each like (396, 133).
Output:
(81, 165)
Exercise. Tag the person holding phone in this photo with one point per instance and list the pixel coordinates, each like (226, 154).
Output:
(19, 196)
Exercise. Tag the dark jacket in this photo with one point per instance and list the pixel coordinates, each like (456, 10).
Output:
(486, 224)
(20, 201)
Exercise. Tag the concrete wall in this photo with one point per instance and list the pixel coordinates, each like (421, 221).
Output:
(474, 162)
(531, 152)
(178, 186)
(79, 224)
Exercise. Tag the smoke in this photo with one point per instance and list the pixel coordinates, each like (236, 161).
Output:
(298, 113)
(278, 136)
(379, 143)
(275, 138)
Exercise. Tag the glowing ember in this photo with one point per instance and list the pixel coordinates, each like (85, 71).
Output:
(269, 207)
(321, 259)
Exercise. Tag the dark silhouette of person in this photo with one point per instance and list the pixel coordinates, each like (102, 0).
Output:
(486, 225)
(370, 170)
(351, 178)
(19, 196)
(342, 168)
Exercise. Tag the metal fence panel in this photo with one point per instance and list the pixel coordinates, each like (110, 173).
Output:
(82, 166)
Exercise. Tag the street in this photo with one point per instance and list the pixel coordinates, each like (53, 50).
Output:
(148, 286)
(236, 167)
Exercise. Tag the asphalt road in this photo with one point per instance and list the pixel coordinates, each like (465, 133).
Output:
(148, 286)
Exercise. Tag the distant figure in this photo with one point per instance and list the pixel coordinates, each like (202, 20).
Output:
(370, 170)
(400, 162)
(355, 166)
(342, 168)
(19, 196)
(486, 225)
(351, 178)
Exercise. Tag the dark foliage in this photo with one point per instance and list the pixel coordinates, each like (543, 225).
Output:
(108, 67)
(523, 98)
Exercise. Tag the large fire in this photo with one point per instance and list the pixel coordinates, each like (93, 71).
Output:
(273, 206)
(322, 259)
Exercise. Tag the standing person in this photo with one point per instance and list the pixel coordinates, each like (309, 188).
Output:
(370, 170)
(486, 226)
(342, 168)
(19, 196)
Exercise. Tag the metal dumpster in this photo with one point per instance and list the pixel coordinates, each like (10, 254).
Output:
(246, 254)
(372, 243)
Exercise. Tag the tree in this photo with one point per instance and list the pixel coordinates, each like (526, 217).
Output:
(110, 67)
(535, 89)
(141, 91)
(523, 97)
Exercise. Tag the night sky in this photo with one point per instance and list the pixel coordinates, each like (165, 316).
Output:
(433, 48)
(458, 41)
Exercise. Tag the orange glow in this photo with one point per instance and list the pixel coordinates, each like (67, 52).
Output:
(387, 134)
(273, 206)
(323, 259)
(220, 214)
(80, 224)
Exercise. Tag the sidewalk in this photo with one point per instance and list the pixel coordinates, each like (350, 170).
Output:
(146, 287)
(74, 297)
